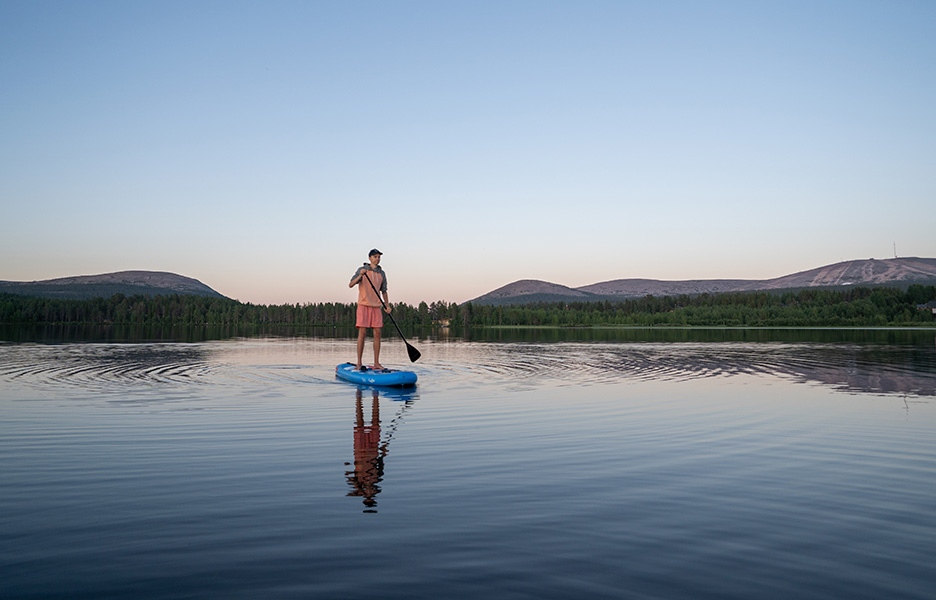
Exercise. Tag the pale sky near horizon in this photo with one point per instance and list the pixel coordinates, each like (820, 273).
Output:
(264, 147)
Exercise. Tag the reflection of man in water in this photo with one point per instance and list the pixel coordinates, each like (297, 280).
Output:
(368, 459)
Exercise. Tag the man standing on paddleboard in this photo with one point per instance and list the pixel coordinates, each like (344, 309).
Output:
(369, 315)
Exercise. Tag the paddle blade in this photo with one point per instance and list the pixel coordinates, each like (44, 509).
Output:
(413, 353)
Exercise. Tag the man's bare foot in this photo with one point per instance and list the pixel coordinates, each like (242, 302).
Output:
(378, 368)
(358, 367)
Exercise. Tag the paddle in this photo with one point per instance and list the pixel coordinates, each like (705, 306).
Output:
(413, 352)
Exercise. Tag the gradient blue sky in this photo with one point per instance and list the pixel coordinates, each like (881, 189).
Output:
(264, 147)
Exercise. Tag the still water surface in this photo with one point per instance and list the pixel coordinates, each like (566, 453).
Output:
(756, 464)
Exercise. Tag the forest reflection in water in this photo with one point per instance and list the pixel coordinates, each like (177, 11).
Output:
(862, 361)
(857, 368)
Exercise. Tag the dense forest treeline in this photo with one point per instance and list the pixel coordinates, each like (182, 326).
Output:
(857, 307)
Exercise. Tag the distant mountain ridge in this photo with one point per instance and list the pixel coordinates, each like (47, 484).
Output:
(128, 283)
(894, 271)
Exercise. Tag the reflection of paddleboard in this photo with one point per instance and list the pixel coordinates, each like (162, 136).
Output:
(392, 377)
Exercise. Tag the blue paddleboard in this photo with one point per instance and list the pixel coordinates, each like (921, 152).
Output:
(388, 377)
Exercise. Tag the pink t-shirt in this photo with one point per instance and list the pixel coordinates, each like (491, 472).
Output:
(366, 294)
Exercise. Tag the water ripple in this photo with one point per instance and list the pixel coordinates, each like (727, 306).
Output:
(119, 366)
(876, 369)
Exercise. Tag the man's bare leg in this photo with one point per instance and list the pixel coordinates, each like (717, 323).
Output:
(362, 333)
(377, 349)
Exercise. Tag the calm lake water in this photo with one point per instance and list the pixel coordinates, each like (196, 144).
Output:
(525, 464)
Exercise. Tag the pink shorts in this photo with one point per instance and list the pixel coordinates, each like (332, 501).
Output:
(369, 316)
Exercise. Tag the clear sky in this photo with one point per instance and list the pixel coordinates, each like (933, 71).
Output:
(264, 147)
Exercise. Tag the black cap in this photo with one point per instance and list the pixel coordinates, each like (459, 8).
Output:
(374, 251)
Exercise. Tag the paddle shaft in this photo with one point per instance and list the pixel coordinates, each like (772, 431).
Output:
(413, 352)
